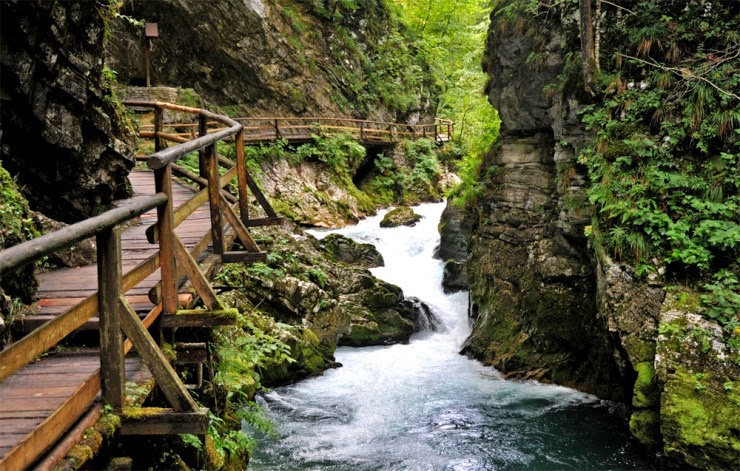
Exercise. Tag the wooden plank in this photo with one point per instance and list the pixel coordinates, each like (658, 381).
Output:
(159, 421)
(190, 318)
(243, 257)
(163, 373)
(36, 442)
(260, 222)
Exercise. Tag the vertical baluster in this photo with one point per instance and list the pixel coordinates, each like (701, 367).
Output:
(202, 131)
(166, 227)
(214, 199)
(111, 338)
(241, 171)
(158, 126)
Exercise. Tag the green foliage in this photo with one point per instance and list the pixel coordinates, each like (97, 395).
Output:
(452, 35)
(18, 224)
(666, 151)
(722, 301)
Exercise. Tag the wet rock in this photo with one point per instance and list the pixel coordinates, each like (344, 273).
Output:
(453, 243)
(454, 276)
(344, 249)
(401, 216)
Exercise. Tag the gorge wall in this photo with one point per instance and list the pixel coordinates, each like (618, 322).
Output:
(547, 301)
(280, 58)
(62, 138)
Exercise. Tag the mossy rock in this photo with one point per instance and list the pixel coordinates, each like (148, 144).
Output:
(344, 249)
(699, 421)
(645, 391)
(645, 427)
(401, 216)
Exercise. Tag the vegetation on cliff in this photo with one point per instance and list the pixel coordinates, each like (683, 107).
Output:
(665, 157)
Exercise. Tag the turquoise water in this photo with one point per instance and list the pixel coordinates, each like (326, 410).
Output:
(422, 406)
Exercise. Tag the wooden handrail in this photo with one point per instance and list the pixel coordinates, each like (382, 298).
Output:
(19, 255)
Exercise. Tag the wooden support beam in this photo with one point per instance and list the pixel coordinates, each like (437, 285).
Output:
(188, 264)
(191, 353)
(243, 257)
(260, 197)
(166, 225)
(112, 373)
(160, 421)
(163, 373)
(241, 232)
(241, 176)
(214, 200)
(200, 318)
(259, 222)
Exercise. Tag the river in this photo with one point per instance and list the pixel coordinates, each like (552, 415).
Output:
(423, 406)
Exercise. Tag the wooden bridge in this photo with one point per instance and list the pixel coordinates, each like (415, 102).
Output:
(174, 237)
(299, 130)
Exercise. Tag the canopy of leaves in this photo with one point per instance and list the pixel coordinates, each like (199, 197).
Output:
(451, 35)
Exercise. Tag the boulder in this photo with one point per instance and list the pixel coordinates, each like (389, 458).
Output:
(454, 276)
(401, 216)
(344, 249)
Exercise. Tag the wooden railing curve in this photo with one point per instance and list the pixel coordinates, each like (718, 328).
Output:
(116, 315)
(302, 129)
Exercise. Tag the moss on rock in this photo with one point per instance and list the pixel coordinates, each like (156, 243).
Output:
(700, 421)
(645, 389)
(645, 427)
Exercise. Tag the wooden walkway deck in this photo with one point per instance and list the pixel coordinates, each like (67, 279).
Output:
(40, 402)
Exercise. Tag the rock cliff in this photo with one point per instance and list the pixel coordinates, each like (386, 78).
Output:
(62, 136)
(280, 58)
(532, 286)
(549, 303)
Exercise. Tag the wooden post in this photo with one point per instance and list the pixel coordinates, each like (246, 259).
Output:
(158, 126)
(362, 130)
(165, 229)
(112, 374)
(202, 131)
(241, 176)
(277, 129)
(214, 199)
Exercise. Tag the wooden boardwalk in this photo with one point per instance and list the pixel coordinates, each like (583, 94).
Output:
(40, 401)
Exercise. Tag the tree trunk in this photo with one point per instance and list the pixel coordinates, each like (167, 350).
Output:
(588, 49)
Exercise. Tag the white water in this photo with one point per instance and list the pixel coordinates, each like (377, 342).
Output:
(422, 406)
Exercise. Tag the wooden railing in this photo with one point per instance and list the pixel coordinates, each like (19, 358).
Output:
(117, 318)
(258, 130)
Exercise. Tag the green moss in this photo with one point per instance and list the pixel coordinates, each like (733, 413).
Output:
(362, 334)
(638, 349)
(645, 427)
(700, 427)
(645, 389)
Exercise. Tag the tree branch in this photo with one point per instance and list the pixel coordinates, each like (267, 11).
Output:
(684, 72)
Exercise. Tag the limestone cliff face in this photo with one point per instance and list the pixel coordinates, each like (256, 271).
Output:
(274, 57)
(60, 133)
(532, 282)
(547, 304)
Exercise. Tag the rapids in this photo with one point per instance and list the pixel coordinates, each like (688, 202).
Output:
(423, 406)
